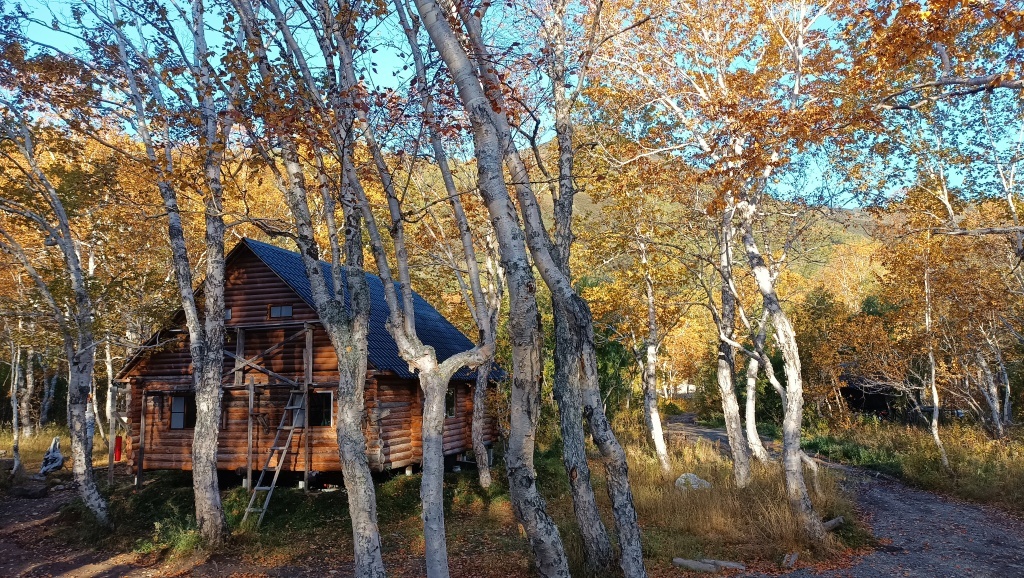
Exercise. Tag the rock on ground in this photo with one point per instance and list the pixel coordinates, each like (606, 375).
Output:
(691, 482)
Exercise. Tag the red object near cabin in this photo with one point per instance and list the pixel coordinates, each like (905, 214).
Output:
(117, 449)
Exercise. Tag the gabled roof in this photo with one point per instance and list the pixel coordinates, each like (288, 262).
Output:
(431, 327)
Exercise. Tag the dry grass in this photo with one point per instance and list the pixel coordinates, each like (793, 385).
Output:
(724, 521)
(33, 448)
(984, 469)
(752, 524)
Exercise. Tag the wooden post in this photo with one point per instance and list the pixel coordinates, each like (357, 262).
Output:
(142, 442)
(239, 356)
(248, 447)
(110, 436)
(307, 380)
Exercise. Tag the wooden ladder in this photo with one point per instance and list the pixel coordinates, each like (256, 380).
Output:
(297, 402)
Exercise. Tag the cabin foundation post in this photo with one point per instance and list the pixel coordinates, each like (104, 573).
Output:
(251, 390)
(239, 356)
(110, 436)
(307, 381)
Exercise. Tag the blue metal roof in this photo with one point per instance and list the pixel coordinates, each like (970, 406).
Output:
(431, 327)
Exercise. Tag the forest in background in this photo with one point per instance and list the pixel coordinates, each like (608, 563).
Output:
(804, 217)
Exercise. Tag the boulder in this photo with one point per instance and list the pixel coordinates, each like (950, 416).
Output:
(691, 482)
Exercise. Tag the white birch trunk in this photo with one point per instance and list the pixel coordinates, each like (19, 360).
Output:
(527, 367)
(933, 424)
(346, 327)
(570, 307)
(792, 454)
(75, 319)
(15, 409)
(485, 322)
(27, 395)
(753, 438)
(111, 407)
(652, 417)
(738, 445)
(94, 410)
(990, 391)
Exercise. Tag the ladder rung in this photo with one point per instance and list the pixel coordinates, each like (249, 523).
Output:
(262, 488)
(288, 427)
(278, 448)
(254, 509)
(293, 406)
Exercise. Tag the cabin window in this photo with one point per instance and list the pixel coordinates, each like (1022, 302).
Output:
(227, 314)
(280, 311)
(183, 411)
(449, 403)
(321, 409)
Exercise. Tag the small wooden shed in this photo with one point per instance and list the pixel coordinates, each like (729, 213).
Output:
(275, 345)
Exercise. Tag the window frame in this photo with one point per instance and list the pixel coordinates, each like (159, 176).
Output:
(280, 310)
(330, 408)
(453, 395)
(187, 412)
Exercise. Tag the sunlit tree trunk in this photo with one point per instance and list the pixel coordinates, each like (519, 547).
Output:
(990, 391)
(785, 337)
(348, 330)
(738, 445)
(144, 87)
(74, 316)
(347, 326)
(15, 378)
(111, 406)
(27, 395)
(652, 417)
(580, 353)
(933, 424)
(757, 448)
(527, 367)
(485, 321)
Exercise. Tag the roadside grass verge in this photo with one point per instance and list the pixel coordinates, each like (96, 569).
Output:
(983, 470)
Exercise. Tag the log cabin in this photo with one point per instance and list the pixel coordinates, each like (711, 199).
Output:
(275, 346)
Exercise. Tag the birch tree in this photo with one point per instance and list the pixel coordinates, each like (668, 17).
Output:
(38, 204)
(740, 104)
(484, 304)
(580, 351)
(528, 504)
(162, 71)
(347, 325)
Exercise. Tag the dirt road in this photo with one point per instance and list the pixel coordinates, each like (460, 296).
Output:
(920, 534)
(926, 535)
